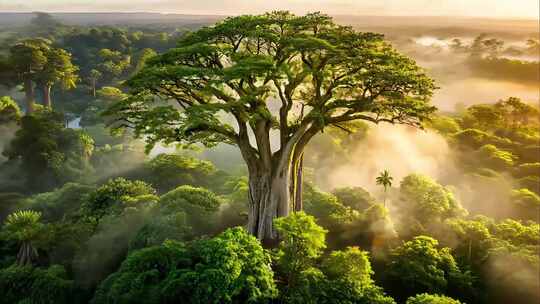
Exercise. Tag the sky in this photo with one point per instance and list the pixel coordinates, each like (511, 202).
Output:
(528, 9)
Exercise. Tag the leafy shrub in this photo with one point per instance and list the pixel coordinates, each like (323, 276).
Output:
(425, 298)
(419, 266)
(496, 158)
(35, 285)
(229, 268)
(59, 203)
(198, 204)
(116, 195)
(168, 171)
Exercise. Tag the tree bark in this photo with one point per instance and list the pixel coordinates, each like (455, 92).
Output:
(270, 188)
(269, 198)
(29, 95)
(94, 88)
(298, 185)
(47, 96)
(27, 254)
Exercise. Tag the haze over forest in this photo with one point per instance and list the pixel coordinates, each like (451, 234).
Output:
(164, 152)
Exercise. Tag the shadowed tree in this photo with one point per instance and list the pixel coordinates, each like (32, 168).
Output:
(249, 77)
(58, 69)
(8, 77)
(43, 20)
(515, 112)
(24, 227)
(384, 179)
(27, 58)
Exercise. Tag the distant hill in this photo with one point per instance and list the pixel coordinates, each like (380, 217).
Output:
(394, 25)
(19, 19)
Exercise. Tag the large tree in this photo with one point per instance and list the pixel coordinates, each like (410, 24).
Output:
(248, 78)
(59, 69)
(27, 58)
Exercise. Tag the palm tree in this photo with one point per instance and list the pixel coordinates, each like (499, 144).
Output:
(94, 76)
(24, 227)
(384, 179)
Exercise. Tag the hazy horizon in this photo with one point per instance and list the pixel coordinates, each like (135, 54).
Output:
(499, 9)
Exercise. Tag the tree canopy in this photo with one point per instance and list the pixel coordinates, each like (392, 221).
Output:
(255, 74)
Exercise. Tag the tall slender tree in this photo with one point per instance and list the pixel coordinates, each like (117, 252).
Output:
(94, 76)
(247, 77)
(384, 179)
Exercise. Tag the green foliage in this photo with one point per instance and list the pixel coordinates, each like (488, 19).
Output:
(229, 268)
(495, 158)
(28, 57)
(474, 138)
(474, 239)
(351, 265)
(110, 94)
(58, 69)
(483, 117)
(527, 202)
(326, 207)
(50, 154)
(168, 171)
(424, 202)
(199, 205)
(302, 241)
(354, 197)
(62, 202)
(118, 159)
(425, 298)
(35, 285)
(444, 125)
(23, 226)
(420, 266)
(112, 63)
(115, 196)
(162, 227)
(343, 277)
(384, 179)
(194, 75)
(9, 111)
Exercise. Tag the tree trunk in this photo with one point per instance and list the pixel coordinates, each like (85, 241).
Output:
(47, 96)
(269, 198)
(94, 88)
(29, 95)
(297, 184)
(271, 191)
(27, 254)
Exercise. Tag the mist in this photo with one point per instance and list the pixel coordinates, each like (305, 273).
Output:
(400, 149)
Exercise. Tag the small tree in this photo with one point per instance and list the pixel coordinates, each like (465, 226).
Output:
(277, 72)
(384, 179)
(9, 111)
(303, 241)
(24, 227)
(94, 76)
